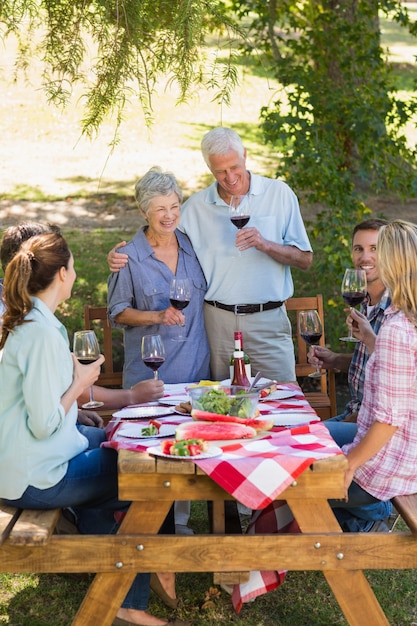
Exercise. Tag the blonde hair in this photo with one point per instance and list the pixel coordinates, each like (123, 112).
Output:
(397, 260)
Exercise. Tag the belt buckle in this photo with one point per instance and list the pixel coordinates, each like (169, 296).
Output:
(236, 309)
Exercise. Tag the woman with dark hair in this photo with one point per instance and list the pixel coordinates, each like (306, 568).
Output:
(40, 382)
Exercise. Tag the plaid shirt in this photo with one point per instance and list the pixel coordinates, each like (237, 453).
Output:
(356, 375)
(390, 397)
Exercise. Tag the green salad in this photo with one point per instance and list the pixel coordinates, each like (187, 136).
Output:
(217, 401)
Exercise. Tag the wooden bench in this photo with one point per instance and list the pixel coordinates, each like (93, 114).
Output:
(406, 506)
(28, 544)
(323, 401)
(26, 527)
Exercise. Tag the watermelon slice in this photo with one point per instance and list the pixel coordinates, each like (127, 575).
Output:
(257, 424)
(214, 431)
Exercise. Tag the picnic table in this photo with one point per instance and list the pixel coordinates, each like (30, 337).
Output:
(314, 474)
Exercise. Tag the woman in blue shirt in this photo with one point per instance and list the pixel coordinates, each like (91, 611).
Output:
(40, 381)
(138, 298)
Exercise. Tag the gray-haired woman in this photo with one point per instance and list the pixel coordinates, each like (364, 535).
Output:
(138, 297)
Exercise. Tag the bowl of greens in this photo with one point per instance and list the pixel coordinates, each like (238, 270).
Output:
(225, 400)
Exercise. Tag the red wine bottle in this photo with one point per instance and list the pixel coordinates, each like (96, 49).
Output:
(239, 346)
(239, 372)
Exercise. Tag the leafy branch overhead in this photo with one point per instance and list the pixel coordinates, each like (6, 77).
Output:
(117, 51)
(339, 121)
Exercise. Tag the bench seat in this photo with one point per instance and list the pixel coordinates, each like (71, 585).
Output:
(27, 527)
(407, 508)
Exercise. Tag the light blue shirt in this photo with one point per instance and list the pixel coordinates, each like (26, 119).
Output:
(253, 277)
(144, 284)
(37, 439)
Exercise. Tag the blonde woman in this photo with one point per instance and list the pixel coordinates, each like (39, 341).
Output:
(383, 454)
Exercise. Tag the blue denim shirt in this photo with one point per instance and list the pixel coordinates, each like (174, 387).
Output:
(144, 284)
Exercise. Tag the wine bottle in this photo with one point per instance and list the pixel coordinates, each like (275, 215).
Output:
(239, 371)
(239, 346)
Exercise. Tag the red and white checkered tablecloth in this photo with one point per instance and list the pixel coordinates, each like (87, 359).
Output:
(255, 472)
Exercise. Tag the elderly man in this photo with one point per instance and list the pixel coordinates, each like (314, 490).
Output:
(246, 291)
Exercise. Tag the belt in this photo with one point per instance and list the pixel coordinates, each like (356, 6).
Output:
(243, 309)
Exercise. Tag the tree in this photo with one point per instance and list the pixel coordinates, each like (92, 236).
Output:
(339, 119)
(118, 50)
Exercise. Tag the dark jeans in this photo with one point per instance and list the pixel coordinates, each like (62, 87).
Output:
(90, 488)
(361, 509)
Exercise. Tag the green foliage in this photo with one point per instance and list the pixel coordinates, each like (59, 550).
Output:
(118, 51)
(339, 122)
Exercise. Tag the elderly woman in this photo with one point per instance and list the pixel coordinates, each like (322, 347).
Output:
(138, 297)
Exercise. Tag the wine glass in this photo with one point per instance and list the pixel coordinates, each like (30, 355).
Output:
(239, 211)
(179, 297)
(353, 292)
(153, 352)
(311, 330)
(87, 350)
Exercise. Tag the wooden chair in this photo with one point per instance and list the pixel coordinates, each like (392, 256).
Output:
(323, 401)
(97, 316)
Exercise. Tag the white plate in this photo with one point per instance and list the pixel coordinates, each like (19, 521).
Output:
(134, 431)
(292, 419)
(137, 412)
(209, 454)
(280, 394)
(174, 400)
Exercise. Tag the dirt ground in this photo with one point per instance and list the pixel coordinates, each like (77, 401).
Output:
(96, 212)
(42, 150)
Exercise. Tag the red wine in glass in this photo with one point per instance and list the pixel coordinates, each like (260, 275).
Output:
(240, 221)
(87, 350)
(353, 293)
(179, 304)
(87, 361)
(179, 297)
(153, 352)
(353, 298)
(311, 330)
(154, 362)
(311, 337)
(239, 212)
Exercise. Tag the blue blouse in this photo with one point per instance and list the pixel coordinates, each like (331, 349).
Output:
(144, 284)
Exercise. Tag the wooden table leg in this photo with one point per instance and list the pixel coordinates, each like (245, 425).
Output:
(356, 598)
(107, 591)
(350, 587)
